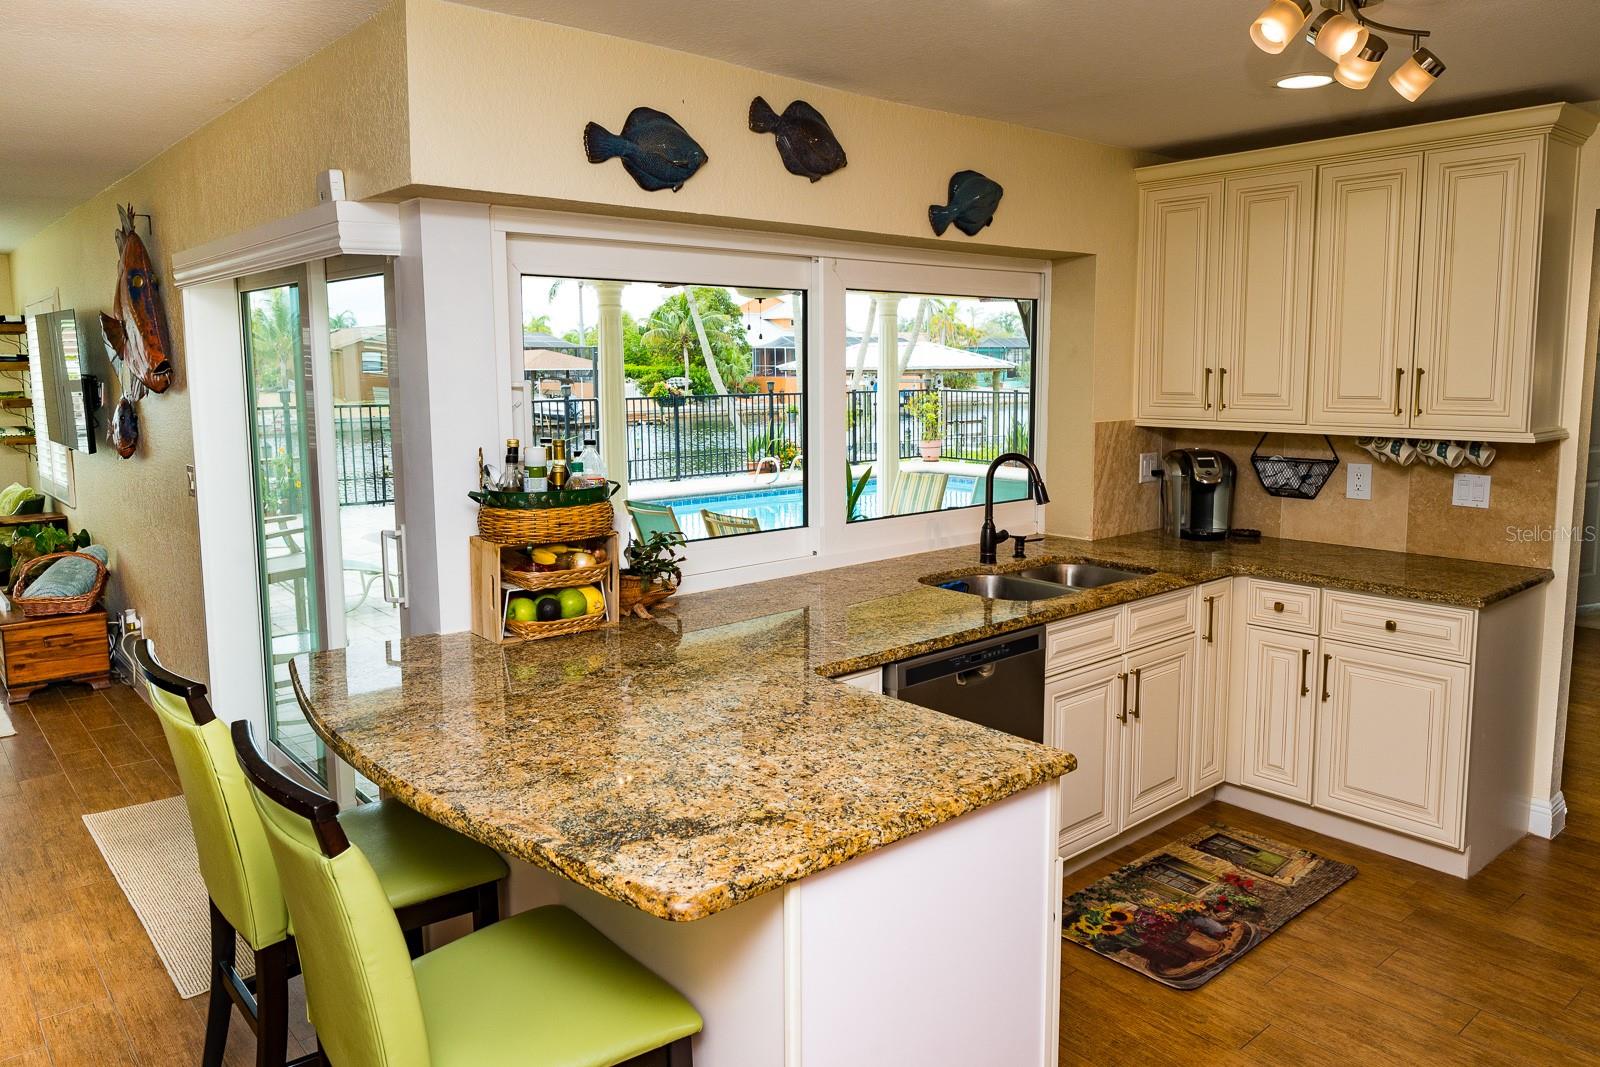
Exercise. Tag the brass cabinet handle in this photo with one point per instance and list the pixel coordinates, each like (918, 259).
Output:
(1206, 391)
(1390, 625)
(1138, 688)
(1122, 716)
(1326, 659)
(1211, 607)
(1277, 605)
(1222, 388)
(1305, 656)
(1416, 390)
(1399, 390)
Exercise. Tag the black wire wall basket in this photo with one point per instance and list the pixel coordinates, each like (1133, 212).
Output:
(1293, 476)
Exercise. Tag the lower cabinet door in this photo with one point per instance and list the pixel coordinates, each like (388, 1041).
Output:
(1081, 716)
(1155, 743)
(1280, 702)
(1392, 741)
(1214, 642)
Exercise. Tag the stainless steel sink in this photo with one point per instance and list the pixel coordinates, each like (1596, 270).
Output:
(1078, 575)
(1005, 587)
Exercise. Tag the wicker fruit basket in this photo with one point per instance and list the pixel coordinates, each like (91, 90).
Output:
(537, 580)
(556, 627)
(57, 605)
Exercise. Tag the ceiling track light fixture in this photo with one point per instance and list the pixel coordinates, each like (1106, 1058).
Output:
(1343, 33)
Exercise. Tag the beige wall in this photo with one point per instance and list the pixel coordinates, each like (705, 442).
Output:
(344, 107)
(498, 105)
(8, 303)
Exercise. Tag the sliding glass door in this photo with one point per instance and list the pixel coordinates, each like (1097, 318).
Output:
(321, 387)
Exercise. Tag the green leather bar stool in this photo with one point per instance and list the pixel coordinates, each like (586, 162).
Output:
(425, 872)
(541, 989)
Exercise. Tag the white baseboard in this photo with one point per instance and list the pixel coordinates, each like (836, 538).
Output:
(1547, 818)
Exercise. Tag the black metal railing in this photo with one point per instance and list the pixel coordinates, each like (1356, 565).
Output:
(973, 424)
(364, 456)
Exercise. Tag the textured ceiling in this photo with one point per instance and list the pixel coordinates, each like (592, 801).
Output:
(94, 88)
(1178, 77)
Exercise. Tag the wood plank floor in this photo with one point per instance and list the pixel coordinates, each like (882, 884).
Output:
(1400, 966)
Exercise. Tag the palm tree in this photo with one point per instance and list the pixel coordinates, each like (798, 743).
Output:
(944, 321)
(537, 324)
(679, 325)
(342, 321)
(274, 337)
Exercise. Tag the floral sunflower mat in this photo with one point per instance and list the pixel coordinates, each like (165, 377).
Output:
(1182, 913)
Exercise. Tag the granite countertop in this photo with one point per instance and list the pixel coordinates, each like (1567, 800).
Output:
(686, 764)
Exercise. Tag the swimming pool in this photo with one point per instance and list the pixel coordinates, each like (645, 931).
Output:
(783, 507)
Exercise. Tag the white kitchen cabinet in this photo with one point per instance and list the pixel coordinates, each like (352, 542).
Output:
(1084, 714)
(1155, 749)
(1403, 282)
(1364, 304)
(1214, 678)
(1476, 286)
(1179, 294)
(1392, 741)
(1278, 724)
(1267, 224)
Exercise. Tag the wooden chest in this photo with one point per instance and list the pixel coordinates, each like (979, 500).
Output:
(37, 651)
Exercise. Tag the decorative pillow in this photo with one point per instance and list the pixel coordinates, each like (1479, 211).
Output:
(69, 577)
(13, 496)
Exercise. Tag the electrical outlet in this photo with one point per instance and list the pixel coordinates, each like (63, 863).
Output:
(1470, 491)
(1149, 467)
(1358, 481)
(131, 623)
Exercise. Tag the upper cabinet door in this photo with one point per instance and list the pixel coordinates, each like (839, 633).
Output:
(1476, 288)
(1268, 221)
(1179, 250)
(1363, 319)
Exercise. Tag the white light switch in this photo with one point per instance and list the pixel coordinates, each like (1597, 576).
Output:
(1358, 481)
(1149, 466)
(1470, 491)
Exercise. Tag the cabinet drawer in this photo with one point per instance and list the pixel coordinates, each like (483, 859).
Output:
(1159, 618)
(1400, 625)
(61, 647)
(1281, 606)
(1076, 642)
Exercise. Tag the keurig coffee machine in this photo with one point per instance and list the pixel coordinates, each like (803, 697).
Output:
(1197, 494)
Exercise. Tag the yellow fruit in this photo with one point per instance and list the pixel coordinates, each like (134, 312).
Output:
(597, 601)
(544, 557)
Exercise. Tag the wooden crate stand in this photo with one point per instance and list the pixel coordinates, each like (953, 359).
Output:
(490, 592)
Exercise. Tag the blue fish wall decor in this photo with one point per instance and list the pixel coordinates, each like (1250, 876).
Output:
(973, 200)
(655, 150)
(806, 143)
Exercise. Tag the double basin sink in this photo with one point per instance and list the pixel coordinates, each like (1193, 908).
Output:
(1040, 583)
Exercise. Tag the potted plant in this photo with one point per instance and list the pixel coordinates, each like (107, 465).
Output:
(668, 396)
(653, 572)
(929, 413)
(759, 448)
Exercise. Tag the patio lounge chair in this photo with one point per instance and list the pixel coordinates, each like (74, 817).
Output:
(651, 518)
(720, 525)
(916, 491)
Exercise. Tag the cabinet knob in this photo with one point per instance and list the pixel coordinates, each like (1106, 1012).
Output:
(1390, 625)
(1277, 606)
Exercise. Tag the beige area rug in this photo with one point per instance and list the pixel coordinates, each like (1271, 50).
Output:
(150, 850)
(6, 729)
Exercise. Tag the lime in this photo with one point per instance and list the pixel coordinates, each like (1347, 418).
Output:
(521, 608)
(573, 603)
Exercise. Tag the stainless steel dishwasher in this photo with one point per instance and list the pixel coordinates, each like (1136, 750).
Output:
(998, 682)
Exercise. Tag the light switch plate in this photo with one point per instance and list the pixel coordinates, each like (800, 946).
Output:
(1358, 481)
(1149, 464)
(1470, 491)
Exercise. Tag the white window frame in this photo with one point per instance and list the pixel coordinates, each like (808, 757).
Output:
(50, 458)
(555, 244)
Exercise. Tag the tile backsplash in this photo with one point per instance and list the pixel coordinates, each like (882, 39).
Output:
(1410, 509)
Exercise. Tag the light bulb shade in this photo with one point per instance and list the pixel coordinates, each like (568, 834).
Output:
(1418, 73)
(1275, 27)
(1356, 70)
(1336, 34)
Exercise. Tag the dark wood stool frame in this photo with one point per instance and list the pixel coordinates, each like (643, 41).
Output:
(323, 814)
(264, 998)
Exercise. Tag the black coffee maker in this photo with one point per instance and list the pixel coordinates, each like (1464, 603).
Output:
(1197, 494)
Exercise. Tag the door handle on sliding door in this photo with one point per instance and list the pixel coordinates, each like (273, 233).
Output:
(394, 592)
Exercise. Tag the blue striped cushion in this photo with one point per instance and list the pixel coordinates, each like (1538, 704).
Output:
(69, 577)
